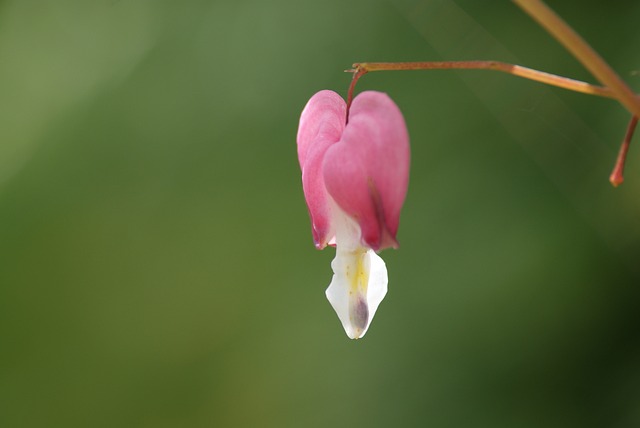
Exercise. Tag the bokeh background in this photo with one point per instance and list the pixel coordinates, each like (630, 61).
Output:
(156, 261)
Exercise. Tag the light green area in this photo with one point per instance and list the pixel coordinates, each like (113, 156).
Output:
(156, 261)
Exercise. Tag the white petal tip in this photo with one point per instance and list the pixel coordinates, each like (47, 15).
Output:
(358, 286)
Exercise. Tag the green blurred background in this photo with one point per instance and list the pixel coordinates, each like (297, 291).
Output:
(156, 260)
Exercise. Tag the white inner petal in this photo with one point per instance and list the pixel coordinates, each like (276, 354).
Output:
(359, 280)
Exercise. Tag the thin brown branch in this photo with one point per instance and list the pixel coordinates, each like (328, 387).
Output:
(516, 70)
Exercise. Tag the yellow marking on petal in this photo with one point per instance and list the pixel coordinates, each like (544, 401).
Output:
(358, 284)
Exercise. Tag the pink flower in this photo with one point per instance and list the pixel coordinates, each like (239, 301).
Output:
(354, 177)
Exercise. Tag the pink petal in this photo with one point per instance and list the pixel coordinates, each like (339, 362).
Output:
(321, 125)
(367, 172)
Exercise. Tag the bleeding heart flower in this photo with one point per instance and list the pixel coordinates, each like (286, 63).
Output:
(354, 177)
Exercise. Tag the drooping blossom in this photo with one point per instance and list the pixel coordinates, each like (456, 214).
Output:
(354, 177)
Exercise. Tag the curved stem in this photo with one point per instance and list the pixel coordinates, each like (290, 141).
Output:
(362, 68)
(516, 70)
(580, 49)
(356, 75)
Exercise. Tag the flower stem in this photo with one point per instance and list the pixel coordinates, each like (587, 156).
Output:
(357, 73)
(617, 176)
(362, 68)
(580, 49)
(516, 70)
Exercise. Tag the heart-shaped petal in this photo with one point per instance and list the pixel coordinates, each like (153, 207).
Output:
(367, 171)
